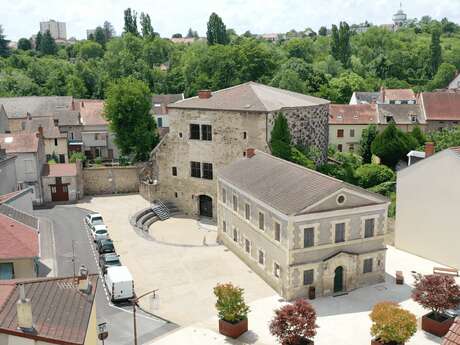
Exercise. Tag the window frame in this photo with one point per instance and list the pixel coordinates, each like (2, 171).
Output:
(276, 274)
(196, 168)
(263, 257)
(224, 226)
(247, 211)
(312, 228)
(206, 132)
(312, 277)
(352, 132)
(261, 225)
(235, 232)
(174, 171)
(207, 171)
(224, 195)
(194, 135)
(344, 232)
(366, 268)
(277, 231)
(235, 202)
(247, 246)
(365, 227)
(340, 133)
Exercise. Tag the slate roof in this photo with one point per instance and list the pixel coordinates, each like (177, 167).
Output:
(18, 107)
(453, 336)
(164, 100)
(367, 97)
(401, 113)
(285, 186)
(60, 312)
(441, 106)
(91, 111)
(50, 131)
(17, 240)
(19, 216)
(250, 97)
(59, 170)
(353, 114)
(19, 142)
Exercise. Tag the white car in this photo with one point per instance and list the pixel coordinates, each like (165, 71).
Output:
(93, 219)
(99, 232)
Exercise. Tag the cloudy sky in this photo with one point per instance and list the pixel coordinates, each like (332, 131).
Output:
(20, 18)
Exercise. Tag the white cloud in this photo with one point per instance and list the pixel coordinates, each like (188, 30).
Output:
(20, 18)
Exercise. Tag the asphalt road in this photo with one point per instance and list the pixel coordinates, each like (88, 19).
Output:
(71, 236)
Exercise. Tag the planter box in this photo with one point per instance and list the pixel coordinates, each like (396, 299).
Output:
(233, 330)
(379, 342)
(439, 328)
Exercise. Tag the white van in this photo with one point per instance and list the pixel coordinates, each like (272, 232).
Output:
(120, 283)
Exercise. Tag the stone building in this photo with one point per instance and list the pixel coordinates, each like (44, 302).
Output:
(300, 229)
(440, 109)
(211, 130)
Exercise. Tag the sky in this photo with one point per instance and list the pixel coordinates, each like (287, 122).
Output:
(21, 18)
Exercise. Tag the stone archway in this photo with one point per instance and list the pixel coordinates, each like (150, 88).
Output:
(205, 206)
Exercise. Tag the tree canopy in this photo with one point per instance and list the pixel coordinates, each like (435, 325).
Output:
(217, 32)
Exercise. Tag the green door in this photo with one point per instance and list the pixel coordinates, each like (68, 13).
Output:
(338, 279)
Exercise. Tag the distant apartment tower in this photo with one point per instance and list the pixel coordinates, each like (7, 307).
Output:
(57, 29)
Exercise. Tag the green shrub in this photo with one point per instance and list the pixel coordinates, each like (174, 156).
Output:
(230, 303)
(98, 161)
(300, 158)
(370, 175)
(77, 156)
(123, 160)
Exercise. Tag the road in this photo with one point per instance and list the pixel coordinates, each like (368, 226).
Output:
(71, 238)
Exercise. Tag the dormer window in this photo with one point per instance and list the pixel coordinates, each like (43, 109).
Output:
(339, 117)
(413, 118)
(389, 119)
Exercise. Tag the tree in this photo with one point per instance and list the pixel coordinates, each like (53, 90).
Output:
(217, 32)
(391, 145)
(127, 107)
(4, 49)
(322, 31)
(146, 25)
(436, 292)
(335, 43)
(418, 135)
(48, 44)
(280, 139)
(435, 51)
(370, 175)
(192, 33)
(80, 156)
(445, 138)
(130, 22)
(99, 36)
(367, 137)
(230, 303)
(391, 324)
(446, 72)
(24, 44)
(294, 323)
(109, 31)
(90, 50)
(340, 44)
(38, 41)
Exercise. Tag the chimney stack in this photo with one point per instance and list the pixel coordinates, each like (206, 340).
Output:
(204, 94)
(24, 311)
(83, 281)
(29, 116)
(382, 93)
(82, 104)
(40, 132)
(429, 149)
(250, 152)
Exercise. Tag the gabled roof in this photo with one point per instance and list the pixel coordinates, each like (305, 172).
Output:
(399, 94)
(50, 131)
(163, 101)
(17, 240)
(353, 114)
(453, 336)
(285, 186)
(19, 142)
(59, 170)
(400, 113)
(441, 106)
(367, 97)
(19, 216)
(91, 111)
(60, 311)
(18, 107)
(250, 97)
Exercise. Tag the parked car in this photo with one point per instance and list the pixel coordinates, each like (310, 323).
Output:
(99, 232)
(120, 283)
(108, 260)
(105, 246)
(93, 219)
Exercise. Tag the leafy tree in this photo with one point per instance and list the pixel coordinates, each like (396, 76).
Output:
(370, 175)
(191, 33)
(418, 135)
(299, 157)
(446, 72)
(340, 45)
(435, 51)
(99, 36)
(47, 44)
(217, 32)
(301, 48)
(77, 156)
(75, 87)
(38, 41)
(90, 50)
(130, 22)
(24, 44)
(335, 43)
(230, 303)
(109, 31)
(391, 145)
(146, 25)
(341, 88)
(436, 292)
(280, 139)
(4, 49)
(294, 323)
(322, 31)
(344, 169)
(445, 138)
(127, 108)
(365, 143)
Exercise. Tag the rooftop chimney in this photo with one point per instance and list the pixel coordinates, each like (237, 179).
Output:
(250, 152)
(382, 93)
(82, 104)
(429, 149)
(83, 281)
(40, 132)
(204, 94)
(24, 311)
(29, 116)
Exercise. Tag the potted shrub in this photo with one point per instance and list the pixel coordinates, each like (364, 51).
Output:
(294, 323)
(233, 311)
(391, 325)
(437, 293)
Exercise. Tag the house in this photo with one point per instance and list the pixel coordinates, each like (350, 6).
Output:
(30, 157)
(160, 109)
(385, 96)
(441, 109)
(404, 116)
(364, 97)
(299, 229)
(62, 182)
(455, 83)
(19, 244)
(347, 122)
(55, 142)
(45, 311)
(8, 178)
(428, 195)
(209, 131)
(96, 137)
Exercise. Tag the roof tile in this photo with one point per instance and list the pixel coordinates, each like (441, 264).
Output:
(17, 240)
(353, 114)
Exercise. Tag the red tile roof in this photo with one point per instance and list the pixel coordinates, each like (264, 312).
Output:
(353, 114)
(6, 288)
(91, 111)
(441, 105)
(17, 240)
(60, 170)
(399, 94)
(453, 336)
(19, 142)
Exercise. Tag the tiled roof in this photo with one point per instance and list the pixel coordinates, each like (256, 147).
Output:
(350, 114)
(60, 311)
(163, 101)
(17, 240)
(399, 94)
(18, 107)
(401, 113)
(91, 111)
(19, 216)
(19, 142)
(6, 288)
(285, 186)
(367, 97)
(441, 105)
(453, 336)
(250, 97)
(59, 170)
(50, 131)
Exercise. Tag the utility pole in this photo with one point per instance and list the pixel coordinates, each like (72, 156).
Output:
(134, 301)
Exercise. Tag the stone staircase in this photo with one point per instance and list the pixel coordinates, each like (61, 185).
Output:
(160, 210)
(144, 218)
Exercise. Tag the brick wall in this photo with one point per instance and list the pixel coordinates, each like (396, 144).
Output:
(110, 180)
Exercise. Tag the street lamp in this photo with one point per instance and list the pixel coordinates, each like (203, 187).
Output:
(134, 302)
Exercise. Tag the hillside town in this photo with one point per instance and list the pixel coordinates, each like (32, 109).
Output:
(283, 188)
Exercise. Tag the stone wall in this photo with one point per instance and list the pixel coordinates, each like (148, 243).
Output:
(110, 180)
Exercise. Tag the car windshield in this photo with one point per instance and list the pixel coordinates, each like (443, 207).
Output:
(112, 259)
(101, 232)
(97, 221)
